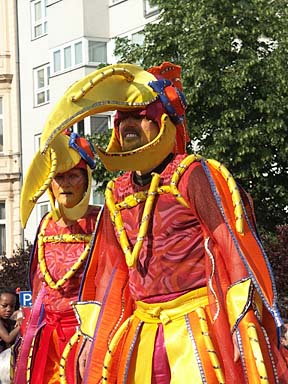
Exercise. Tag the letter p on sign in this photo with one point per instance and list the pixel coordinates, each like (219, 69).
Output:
(25, 298)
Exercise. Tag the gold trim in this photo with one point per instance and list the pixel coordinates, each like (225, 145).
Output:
(41, 255)
(235, 194)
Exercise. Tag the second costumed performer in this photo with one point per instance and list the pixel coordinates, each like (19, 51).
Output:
(63, 243)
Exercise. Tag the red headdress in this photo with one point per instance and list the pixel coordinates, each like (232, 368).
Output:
(169, 88)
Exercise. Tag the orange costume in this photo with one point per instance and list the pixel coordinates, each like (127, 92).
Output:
(178, 279)
(195, 282)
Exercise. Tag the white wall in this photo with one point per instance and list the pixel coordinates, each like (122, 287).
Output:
(68, 20)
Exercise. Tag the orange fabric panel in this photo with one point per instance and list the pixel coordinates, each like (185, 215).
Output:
(252, 372)
(247, 242)
(125, 350)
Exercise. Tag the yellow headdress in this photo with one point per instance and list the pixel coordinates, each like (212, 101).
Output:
(59, 158)
(115, 87)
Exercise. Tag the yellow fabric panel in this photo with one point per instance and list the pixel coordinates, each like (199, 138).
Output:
(87, 314)
(236, 300)
(171, 310)
(143, 355)
(257, 353)
(181, 353)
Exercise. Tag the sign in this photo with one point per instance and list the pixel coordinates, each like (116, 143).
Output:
(25, 298)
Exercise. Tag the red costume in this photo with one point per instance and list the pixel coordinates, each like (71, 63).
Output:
(56, 321)
(61, 248)
(186, 249)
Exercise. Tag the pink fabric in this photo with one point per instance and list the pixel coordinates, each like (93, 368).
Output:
(153, 111)
(161, 369)
(174, 239)
(54, 304)
(58, 263)
(20, 371)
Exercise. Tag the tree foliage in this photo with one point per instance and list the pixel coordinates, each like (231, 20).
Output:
(234, 70)
(277, 253)
(14, 269)
(100, 174)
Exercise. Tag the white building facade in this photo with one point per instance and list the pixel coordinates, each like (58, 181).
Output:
(60, 41)
(11, 234)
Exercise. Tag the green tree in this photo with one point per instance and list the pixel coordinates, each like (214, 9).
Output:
(100, 174)
(234, 70)
(276, 247)
(14, 269)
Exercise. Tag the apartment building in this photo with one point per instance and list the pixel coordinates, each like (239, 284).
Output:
(61, 41)
(11, 234)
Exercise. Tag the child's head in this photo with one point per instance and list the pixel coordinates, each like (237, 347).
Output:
(8, 299)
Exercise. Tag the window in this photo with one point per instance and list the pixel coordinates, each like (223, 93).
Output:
(39, 18)
(42, 209)
(1, 124)
(37, 140)
(99, 123)
(80, 128)
(57, 61)
(77, 53)
(41, 85)
(67, 57)
(138, 38)
(97, 52)
(92, 125)
(98, 198)
(2, 229)
(149, 9)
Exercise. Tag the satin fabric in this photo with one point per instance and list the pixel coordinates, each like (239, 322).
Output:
(185, 248)
(54, 336)
(173, 335)
(55, 322)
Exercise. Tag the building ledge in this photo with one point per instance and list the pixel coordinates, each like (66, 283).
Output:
(10, 177)
(6, 78)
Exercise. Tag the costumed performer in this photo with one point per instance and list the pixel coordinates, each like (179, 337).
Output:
(183, 290)
(62, 246)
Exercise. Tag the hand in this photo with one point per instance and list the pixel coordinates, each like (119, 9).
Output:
(236, 349)
(18, 316)
(83, 357)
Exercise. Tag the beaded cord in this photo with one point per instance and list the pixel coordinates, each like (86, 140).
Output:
(42, 239)
(132, 200)
(235, 194)
(50, 176)
(131, 257)
(112, 347)
(62, 366)
(139, 197)
(209, 345)
(257, 353)
(212, 290)
(29, 362)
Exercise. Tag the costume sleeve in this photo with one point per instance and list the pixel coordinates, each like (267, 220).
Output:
(240, 280)
(212, 221)
(243, 272)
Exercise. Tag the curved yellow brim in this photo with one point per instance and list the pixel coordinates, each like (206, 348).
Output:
(113, 87)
